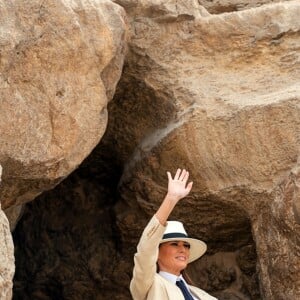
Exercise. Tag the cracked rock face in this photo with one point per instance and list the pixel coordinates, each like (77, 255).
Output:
(228, 87)
(60, 62)
(217, 94)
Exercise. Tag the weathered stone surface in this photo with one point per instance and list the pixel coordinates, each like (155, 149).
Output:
(60, 63)
(7, 262)
(14, 213)
(7, 266)
(296, 200)
(221, 6)
(224, 104)
(217, 94)
(278, 239)
(232, 273)
(212, 6)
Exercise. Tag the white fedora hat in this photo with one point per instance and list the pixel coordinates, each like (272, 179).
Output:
(176, 232)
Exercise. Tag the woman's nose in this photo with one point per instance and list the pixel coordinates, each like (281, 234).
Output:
(182, 248)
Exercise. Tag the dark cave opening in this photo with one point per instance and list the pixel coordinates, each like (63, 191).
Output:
(71, 243)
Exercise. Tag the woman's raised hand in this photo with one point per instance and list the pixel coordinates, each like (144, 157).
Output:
(177, 186)
(177, 189)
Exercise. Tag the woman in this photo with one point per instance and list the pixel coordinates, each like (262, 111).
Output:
(164, 251)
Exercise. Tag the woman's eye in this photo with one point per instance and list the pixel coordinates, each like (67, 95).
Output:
(188, 246)
(174, 244)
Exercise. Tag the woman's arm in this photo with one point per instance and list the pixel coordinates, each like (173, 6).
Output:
(177, 189)
(147, 250)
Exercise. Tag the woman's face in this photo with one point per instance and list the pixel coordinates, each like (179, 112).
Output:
(173, 256)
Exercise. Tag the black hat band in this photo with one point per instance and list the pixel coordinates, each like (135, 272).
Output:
(174, 235)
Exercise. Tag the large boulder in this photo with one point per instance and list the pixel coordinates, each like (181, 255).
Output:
(218, 95)
(60, 63)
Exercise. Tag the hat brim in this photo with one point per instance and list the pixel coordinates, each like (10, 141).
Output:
(198, 247)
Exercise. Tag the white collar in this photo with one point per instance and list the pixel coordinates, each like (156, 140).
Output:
(171, 277)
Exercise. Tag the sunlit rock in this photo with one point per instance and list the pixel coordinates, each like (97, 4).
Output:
(60, 63)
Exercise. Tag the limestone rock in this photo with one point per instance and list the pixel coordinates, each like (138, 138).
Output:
(60, 63)
(224, 104)
(221, 6)
(14, 214)
(278, 240)
(296, 196)
(7, 266)
(216, 94)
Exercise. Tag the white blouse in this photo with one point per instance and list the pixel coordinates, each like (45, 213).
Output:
(173, 278)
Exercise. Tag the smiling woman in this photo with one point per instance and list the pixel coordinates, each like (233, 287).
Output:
(165, 250)
(173, 256)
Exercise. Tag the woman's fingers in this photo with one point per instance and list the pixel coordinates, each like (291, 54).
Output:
(184, 175)
(177, 186)
(169, 176)
(189, 186)
(181, 175)
(177, 175)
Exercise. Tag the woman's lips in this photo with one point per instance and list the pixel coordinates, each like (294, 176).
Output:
(182, 258)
